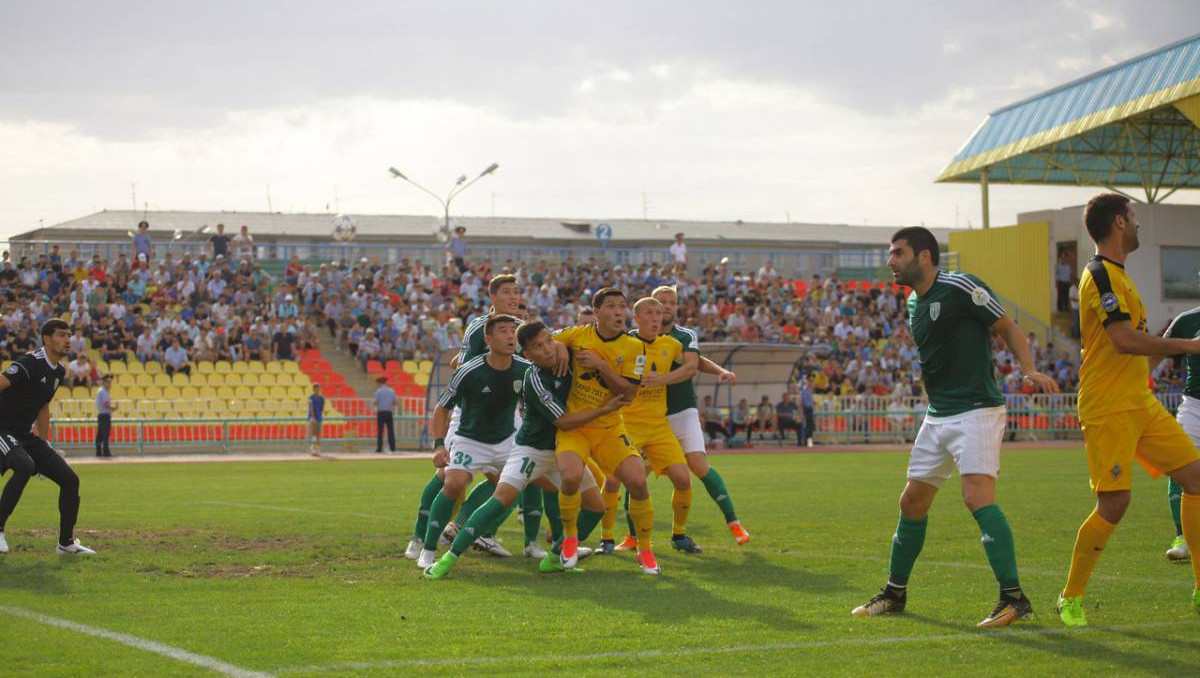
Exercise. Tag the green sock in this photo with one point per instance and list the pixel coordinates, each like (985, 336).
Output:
(479, 494)
(715, 484)
(1175, 499)
(553, 514)
(998, 543)
(588, 520)
(628, 519)
(906, 546)
(491, 534)
(432, 488)
(439, 514)
(531, 512)
(480, 522)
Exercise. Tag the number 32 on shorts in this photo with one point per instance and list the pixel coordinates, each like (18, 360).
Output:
(461, 459)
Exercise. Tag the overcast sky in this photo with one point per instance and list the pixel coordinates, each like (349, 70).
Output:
(814, 111)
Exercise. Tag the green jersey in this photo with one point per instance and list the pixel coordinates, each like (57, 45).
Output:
(951, 326)
(474, 344)
(682, 396)
(487, 398)
(544, 397)
(1187, 326)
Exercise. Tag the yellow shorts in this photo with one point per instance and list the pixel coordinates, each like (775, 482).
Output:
(1150, 435)
(597, 472)
(657, 443)
(607, 446)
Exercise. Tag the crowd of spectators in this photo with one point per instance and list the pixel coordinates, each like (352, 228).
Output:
(222, 305)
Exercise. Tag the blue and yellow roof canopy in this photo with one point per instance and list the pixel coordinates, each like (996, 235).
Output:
(1135, 124)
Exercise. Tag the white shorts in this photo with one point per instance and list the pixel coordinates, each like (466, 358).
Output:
(526, 464)
(686, 425)
(476, 457)
(1188, 416)
(969, 441)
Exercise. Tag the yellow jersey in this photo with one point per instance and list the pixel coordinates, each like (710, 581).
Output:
(588, 391)
(1110, 381)
(651, 403)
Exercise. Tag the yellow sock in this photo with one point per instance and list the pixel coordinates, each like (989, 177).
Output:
(568, 506)
(1089, 544)
(610, 513)
(641, 511)
(1189, 517)
(681, 505)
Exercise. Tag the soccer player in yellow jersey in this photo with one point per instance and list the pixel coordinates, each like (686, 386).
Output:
(605, 362)
(1121, 419)
(646, 417)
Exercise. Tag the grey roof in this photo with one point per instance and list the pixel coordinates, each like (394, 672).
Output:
(376, 227)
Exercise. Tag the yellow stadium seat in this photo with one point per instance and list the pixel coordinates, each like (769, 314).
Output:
(261, 392)
(255, 366)
(241, 368)
(421, 379)
(133, 393)
(207, 392)
(152, 393)
(425, 367)
(198, 379)
(94, 354)
(172, 392)
(102, 366)
(233, 379)
(215, 379)
(144, 380)
(243, 393)
(265, 379)
(291, 366)
(410, 366)
(301, 379)
(117, 367)
(189, 393)
(297, 393)
(135, 367)
(275, 366)
(204, 367)
(225, 392)
(81, 393)
(153, 367)
(162, 380)
(250, 379)
(279, 392)
(180, 379)
(223, 367)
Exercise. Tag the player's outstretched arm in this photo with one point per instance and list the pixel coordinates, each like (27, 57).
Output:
(723, 375)
(1019, 345)
(438, 428)
(1131, 341)
(691, 364)
(576, 419)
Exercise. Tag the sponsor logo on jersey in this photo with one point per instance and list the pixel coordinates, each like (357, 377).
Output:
(639, 365)
(546, 397)
(517, 385)
(12, 369)
(1116, 471)
(1109, 302)
(935, 310)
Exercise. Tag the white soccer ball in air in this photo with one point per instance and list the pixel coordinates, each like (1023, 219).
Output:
(344, 228)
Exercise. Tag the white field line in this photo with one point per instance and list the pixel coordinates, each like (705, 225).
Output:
(293, 509)
(1184, 580)
(732, 649)
(175, 653)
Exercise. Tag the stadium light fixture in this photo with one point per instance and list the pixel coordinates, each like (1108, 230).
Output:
(397, 174)
(459, 186)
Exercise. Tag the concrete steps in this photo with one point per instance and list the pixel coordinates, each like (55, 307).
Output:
(344, 363)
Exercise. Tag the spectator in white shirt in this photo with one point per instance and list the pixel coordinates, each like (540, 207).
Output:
(679, 254)
(243, 244)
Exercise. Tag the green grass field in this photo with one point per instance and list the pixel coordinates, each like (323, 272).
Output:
(294, 569)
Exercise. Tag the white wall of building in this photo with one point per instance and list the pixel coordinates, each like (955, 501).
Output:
(1162, 226)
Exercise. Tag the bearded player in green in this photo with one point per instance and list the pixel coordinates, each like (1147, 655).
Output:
(952, 317)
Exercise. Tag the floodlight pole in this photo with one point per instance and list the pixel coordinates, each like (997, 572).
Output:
(983, 185)
(461, 185)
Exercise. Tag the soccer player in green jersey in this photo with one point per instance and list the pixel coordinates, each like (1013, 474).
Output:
(544, 398)
(486, 389)
(1185, 326)
(952, 317)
